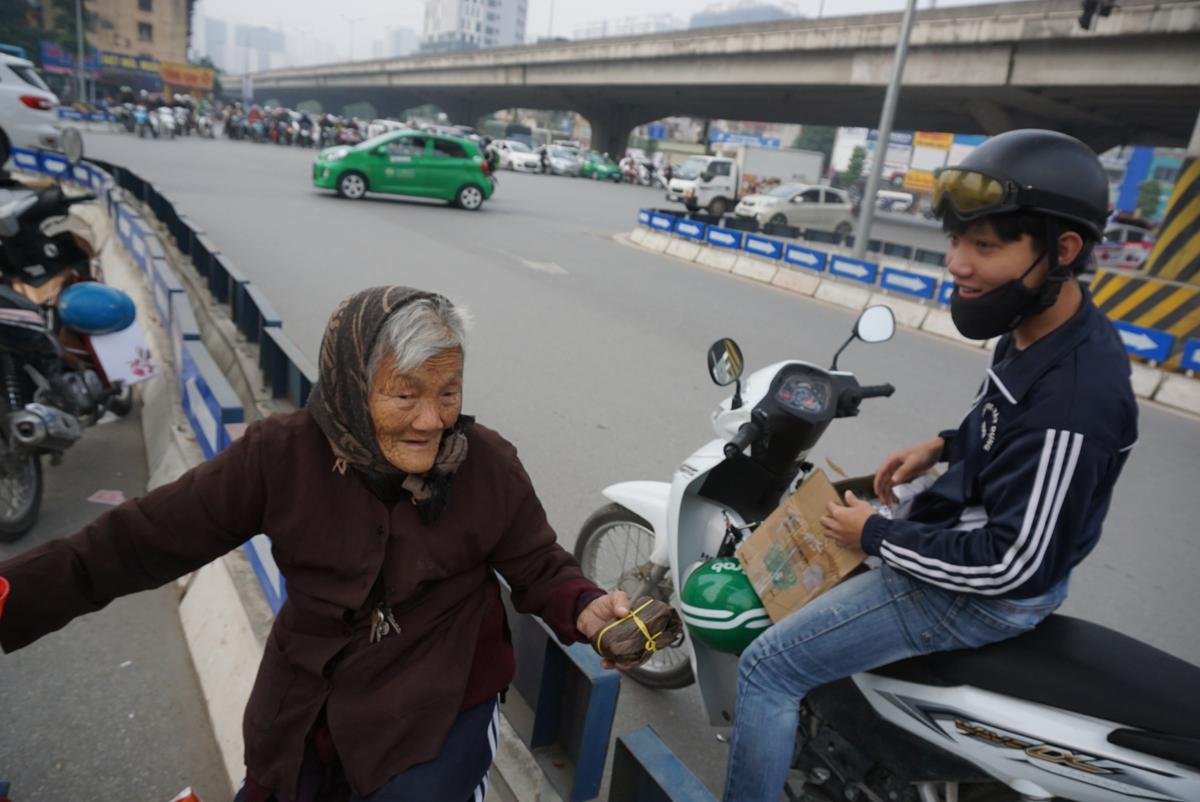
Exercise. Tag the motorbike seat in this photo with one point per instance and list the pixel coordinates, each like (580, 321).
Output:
(1086, 668)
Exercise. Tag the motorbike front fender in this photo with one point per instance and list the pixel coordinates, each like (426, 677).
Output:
(650, 500)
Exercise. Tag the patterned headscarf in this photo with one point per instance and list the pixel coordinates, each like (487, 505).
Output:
(340, 400)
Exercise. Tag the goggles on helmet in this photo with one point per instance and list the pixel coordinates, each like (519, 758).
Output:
(971, 194)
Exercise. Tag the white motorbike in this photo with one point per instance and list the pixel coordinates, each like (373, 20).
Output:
(1071, 710)
(162, 122)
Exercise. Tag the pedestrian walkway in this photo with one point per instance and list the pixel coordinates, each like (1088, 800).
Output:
(108, 707)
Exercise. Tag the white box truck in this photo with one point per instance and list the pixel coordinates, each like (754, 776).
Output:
(716, 183)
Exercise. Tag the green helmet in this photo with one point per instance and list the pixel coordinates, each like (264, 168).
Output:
(720, 606)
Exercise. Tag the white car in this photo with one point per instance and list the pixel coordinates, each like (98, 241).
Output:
(28, 109)
(801, 205)
(516, 155)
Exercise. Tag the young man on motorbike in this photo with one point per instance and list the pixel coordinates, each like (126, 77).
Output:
(986, 551)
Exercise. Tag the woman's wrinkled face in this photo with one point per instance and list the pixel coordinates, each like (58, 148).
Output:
(410, 411)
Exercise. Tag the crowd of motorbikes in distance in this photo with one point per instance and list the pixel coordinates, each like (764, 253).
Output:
(157, 117)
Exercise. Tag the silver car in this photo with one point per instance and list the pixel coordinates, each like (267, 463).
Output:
(800, 205)
(563, 161)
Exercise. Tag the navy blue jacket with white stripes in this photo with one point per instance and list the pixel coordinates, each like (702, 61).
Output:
(1031, 468)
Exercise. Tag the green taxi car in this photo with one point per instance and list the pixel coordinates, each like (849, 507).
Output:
(408, 163)
(598, 166)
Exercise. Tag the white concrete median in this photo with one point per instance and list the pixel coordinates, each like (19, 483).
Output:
(802, 282)
(938, 322)
(684, 249)
(753, 268)
(718, 258)
(1180, 392)
(655, 241)
(849, 296)
(1145, 379)
(908, 313)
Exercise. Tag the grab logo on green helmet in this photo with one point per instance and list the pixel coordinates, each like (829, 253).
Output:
(720, 607)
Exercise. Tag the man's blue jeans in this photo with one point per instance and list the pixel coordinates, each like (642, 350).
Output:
(870, 620)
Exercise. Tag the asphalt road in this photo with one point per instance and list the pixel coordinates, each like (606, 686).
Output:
(590, 355)
(109, 707)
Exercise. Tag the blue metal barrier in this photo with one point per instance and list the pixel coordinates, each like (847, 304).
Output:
(854, 269)
(808, 258)
(645, 770)
(258, 550)
(573, 702)
(202, 251)
(209, 401)
(723, 237)
(906, 282)
(1149, 344)
(689, 228)
(163, 285)
(644, 216)
(661, 222)
(253, 313)
(223, 278)
(285, 370)
(945, 291)
(184, 327)
(137, 244)
(761, 246)
(1189, 360)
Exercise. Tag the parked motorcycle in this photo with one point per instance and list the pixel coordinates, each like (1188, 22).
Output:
(51, 385)
(1071, 709)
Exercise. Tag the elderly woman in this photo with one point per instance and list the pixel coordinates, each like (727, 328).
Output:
(388, 511)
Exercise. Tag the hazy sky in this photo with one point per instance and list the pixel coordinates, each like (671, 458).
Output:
(323, 19)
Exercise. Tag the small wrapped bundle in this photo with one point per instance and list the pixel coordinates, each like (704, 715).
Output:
(630, 641)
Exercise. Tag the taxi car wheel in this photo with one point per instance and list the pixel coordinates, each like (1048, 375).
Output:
(352, 185)
(469, 197)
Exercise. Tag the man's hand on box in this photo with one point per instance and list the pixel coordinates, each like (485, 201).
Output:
(905, 465)
(844, 523)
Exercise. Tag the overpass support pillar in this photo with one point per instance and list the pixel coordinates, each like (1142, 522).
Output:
(611, 127)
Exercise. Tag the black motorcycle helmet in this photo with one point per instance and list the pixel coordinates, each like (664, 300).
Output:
(1034, 171)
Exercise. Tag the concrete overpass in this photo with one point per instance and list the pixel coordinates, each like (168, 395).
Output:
(1134, 78)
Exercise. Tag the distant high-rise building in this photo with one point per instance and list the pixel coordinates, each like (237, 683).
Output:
(741, 13)
(256, 48)
(402, 42)
(629, 26)
(473, 24)
(216, 42)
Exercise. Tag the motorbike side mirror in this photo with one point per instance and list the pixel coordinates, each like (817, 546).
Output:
(725, 362)
(72, 145)
(876, 324)
(725, 365)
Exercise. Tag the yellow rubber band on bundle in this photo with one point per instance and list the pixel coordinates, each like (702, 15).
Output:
(651, 646)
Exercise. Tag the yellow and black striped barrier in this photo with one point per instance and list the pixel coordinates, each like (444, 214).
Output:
(1176, 252)
(1154, 303)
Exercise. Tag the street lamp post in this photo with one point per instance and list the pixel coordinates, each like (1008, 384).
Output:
(866, 215)
(352, 22)
(79, 50)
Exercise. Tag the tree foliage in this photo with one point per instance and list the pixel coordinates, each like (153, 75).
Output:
(854, 170)
(1149, 197)
(820, 138)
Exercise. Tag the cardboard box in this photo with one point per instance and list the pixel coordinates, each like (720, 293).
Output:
(789, 559)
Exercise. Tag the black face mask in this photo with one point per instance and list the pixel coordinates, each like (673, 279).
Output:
(1002, 309)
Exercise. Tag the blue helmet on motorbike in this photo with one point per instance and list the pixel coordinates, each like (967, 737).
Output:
(94, 308)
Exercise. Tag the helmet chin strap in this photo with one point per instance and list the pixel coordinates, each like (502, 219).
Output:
(1056, 275)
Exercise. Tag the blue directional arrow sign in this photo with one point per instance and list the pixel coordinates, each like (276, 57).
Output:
(644, 217)
(804, 257)
(945, 291)
(902, 281)
(854, 269)
(761, 246)
(689, 228)
(723, 237)
(663, 222)
(1191, 356)
(1150, 344)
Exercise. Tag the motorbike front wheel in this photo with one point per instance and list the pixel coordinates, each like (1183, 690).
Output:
(613, 549)
(20, 495)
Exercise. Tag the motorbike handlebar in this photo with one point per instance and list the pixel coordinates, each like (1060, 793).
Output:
(876, 391)
(747, 434)
(80, 198)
